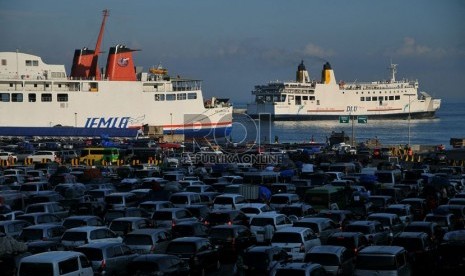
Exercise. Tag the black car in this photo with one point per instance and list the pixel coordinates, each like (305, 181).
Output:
(339, 217)
(199, 211)
(231, 240)
(420, 249)
(261, 260)
(198, 252)
(157, 264)
(189, 229)
(452, 253)
(226, 216)
(434, 230)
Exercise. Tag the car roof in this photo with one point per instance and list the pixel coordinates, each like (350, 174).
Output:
(85, 228)
(47, 257)
(411, 235)
(292, 229)
(381, 249)
(268, 215)
(189, 239)
(299, 266)
(147, 231)
(328, 249)
(128, 219)
(100, 244)
(364, 222)
(44, 226)
(382, 215)
(314, 219)
(346, 234)
(262, 248)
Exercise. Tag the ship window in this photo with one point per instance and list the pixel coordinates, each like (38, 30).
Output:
(170, 97)
(46, 97)
(32, 97)
(305, 98)
(397, 98)
(181, 96)
(283, 98)
(374, 98)
(318, 102)
(386, 98)
(391, 98)
(312, 98)
(17, 97)
(3, 62)
(192, 96)
(368, 99)
(4, 97)
(159, 97)
(35, 85)
(362, 99)
(62, 97)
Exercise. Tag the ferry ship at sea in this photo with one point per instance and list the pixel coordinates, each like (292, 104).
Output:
(327, 99)
(40, 99)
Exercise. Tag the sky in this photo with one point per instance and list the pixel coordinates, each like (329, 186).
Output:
(233, 45)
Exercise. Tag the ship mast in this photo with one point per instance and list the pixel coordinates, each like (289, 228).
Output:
(393, 69)
(94, 70)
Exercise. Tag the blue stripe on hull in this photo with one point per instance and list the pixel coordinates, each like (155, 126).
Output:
(67, 131)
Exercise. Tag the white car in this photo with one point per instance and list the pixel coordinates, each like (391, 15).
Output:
(78, 236)
(297, 241)
(42, 155)
(253, 209)
(8, 156)
(258, 223)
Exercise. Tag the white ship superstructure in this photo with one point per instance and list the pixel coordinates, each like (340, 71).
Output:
(37, 95)
(306, 99)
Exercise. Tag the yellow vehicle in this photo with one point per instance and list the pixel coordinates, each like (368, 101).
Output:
(99, 154)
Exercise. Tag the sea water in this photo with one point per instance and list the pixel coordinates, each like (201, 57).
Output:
(449, 123)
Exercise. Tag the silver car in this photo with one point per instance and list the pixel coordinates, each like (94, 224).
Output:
(108, 258)
(148, 240)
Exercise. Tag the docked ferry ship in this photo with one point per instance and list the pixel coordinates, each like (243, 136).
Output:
(39, 99)
(306, 99)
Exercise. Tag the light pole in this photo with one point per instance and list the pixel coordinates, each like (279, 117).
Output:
(75, 119)
(409, 102)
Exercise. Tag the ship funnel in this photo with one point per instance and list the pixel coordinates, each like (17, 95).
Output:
(302, 73)
(327, 75)
(120, 65)
(82, 62)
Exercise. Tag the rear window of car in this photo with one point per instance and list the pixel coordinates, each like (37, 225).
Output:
(161, 215)
(181, 247)
(31, 234)
(279, 200)
(35, 209)
(221, 233)
(93, 254)
(250, 210)
(322, 258)
(74, 236)
(179, 199)
(71, 223)
(27, 269)
(283, 237)
(342, 241)
(410, 244)
(133, 239)
(120, 225)
(96, 194)
(358, 228)
(218, 217)
(223, 200)
(376, 262)
(311, 225)
(261, 221)
(114, 199)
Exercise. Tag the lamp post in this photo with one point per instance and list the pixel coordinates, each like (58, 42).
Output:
(409, 102)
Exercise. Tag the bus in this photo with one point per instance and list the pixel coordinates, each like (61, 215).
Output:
(326, 197)
(99, 154)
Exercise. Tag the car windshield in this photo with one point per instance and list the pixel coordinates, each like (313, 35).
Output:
(341, 241)
(376, 262)
(398, 211)
(261, 221)
(183, 230)
(282, 237)
(96, 194)
(93, 254)
(28, 188)
(175, 199)
(384, 220)
(322, 258)
(29, 269)
(256, 259)
(289, 211)
(134, 239)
